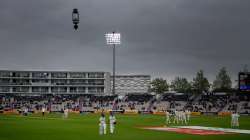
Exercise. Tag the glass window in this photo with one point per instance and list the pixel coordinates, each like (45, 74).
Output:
(4, 89)
(20, 89)
(95, 82)
(77, 82)
(77, 75)
(95, 75)
(59, 89)
(20, 74)
(40, 75)
(59, 75)
(35, 89)
(4, 74)
(62, 89)
(4, 81)
(72, 89)
(54, 89)
(40, 81)
(81, 89)
(59, 82)
(44, 89)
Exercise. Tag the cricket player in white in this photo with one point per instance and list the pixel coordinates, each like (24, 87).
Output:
(168, 121)
(176, 116)
(102, 125)
(235, 120)
(26, 111)
(43, 110)
(179, 117)
(66, 113)
(112, 122)
(183, 117)
(188, 114)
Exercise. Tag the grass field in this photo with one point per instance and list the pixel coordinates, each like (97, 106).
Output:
(85, 127)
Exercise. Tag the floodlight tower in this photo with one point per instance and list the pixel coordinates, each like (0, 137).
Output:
(75, 18)
(113, 39)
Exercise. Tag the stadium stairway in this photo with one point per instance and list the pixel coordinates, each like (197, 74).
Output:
(151, 103)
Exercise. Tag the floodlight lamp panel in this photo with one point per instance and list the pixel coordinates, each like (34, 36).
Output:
(113, 38)
(75, 16)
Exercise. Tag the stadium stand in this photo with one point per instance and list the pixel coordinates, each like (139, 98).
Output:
(204, 103)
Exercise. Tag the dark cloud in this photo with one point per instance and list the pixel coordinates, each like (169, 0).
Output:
(162, 38)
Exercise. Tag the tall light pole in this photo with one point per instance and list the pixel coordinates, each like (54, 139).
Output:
(113, 39)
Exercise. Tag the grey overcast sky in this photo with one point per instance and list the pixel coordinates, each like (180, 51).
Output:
(159, 37)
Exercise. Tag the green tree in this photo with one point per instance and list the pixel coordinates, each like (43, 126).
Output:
(222, 81)
(180, 84)
(159, 85)
(200, 83)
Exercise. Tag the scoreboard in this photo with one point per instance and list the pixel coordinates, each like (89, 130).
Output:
(244, 81)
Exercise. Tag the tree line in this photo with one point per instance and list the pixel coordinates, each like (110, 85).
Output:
(199, 84)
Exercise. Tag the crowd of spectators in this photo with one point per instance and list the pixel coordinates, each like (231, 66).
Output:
(144, 102)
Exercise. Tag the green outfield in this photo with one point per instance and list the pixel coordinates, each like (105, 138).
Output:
(85, 127)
